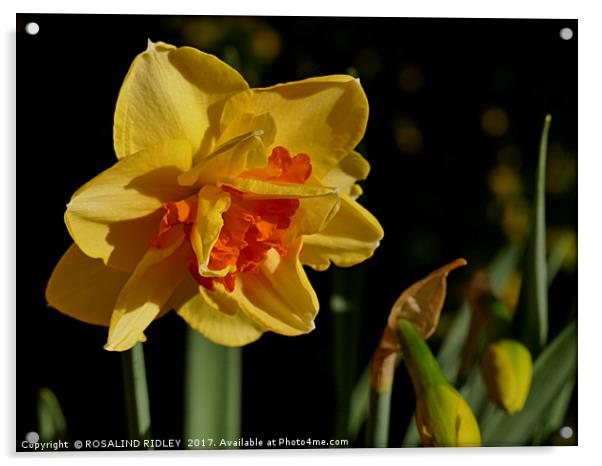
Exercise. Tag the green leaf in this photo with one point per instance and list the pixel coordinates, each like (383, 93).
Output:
(358, 406)
(531, 318)
(558, 256)
(553, 369)
(557, 413)
(212, 391)
(51, 420)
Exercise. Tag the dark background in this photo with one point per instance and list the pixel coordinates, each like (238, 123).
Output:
(451, 101)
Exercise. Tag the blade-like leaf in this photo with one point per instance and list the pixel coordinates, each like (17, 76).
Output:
(51, 420)
(556, 413)
(531, 318)
(553, 369)
(358, 409)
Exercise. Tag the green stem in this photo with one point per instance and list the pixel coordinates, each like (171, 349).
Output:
(136, 393)
(347, 293)
(377, 429)
(212, 391)
(422, 365)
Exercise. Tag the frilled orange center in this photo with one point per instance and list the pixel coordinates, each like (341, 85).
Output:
(251, 227)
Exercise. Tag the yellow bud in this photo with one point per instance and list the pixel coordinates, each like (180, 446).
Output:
(506, 368)
(444, 419)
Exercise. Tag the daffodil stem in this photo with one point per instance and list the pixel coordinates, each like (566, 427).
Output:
(377, 430)
(136, 393)
(212, 392)
(383, 369)
(347, 293)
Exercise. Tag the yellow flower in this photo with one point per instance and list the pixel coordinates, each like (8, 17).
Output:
(507, 368)
(220, 195)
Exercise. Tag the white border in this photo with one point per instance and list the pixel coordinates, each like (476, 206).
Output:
(590, 234)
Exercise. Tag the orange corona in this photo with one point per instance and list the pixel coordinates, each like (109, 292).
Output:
(252, 226)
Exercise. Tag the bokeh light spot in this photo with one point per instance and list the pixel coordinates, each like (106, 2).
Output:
(266, 44)
(408, 137)
(561, 176)
(411, 79)
(504, 182)
(495, 121)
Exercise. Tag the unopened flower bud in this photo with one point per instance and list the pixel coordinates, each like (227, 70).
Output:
(506, 368)
(443, 417)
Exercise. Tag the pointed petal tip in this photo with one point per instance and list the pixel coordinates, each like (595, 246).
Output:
(109, 347)
(460, 262)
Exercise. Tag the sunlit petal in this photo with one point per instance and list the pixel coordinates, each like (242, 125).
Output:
(205, 312)
(280, 297)
(145, 294)
(350, 238)
(324, 117)
(172, 93)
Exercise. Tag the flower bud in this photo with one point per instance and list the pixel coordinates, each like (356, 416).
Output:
(444, 419)
(506, 369)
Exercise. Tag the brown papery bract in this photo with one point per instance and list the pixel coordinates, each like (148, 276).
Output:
(421, 304)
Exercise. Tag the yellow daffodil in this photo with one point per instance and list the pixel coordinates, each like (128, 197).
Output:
(220, 195)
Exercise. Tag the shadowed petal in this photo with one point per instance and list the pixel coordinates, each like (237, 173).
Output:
(84, 288)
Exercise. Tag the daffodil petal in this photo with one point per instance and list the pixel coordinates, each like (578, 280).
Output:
(250, 123)
(315, 213)
(200, 308)
(114, 216)
(352, 168)
(350, 238)
(279, 297)
(84, 288)
(247, 154)
(120, 245)
(135, 186)
(268, 189)
(212, 203)
(145, 294)
(172, 93)
(323, 117)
